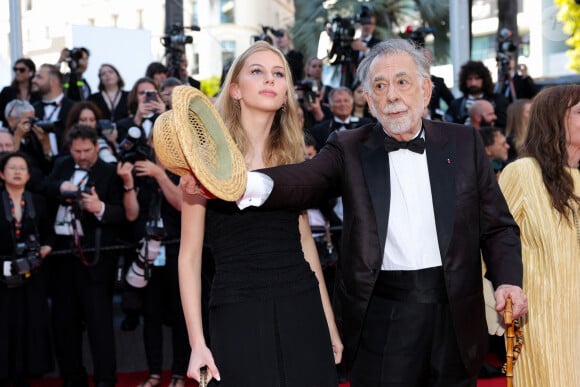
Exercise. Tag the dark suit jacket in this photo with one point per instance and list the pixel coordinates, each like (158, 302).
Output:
(121, 111)
(471, 216)
(65, 107)
(109, 187)
(457, 111)
(322, 130)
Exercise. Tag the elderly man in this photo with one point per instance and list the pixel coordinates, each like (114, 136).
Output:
(421, 203)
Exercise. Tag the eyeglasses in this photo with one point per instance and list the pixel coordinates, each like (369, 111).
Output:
(17, 169)
(145, 92)
(20, 69)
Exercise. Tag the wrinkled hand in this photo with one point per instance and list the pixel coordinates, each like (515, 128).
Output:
(202, 357)
(191, 186)
(519, 300)
(91, 202)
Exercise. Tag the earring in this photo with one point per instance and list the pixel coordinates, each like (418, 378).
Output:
(283, 107)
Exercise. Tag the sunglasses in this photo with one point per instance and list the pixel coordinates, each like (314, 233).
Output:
(20, 69)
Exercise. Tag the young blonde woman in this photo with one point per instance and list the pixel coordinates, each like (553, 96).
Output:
(270, 319)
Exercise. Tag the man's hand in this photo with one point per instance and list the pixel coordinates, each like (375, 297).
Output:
(191, 186)
(519, 299)
(91, 202)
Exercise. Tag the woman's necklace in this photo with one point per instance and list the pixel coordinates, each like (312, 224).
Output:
(112, 102)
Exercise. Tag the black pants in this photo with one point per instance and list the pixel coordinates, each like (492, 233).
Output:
(82, 294)
(409, 342)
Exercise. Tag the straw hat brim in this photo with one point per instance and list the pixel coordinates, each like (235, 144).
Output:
(192, 138)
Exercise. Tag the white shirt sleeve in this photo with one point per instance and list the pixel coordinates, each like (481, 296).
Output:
(258, 189)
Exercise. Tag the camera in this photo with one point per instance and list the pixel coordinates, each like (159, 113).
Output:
(150, 95)
(46, 126)
(341, 31)
(134, 147)
(27, 260)
(506, 49)
(74, 198)
(74, 55)
(174, 42)
(265, 36)
(175, 36)
(309, 90)
(105, 127)
(418, 35)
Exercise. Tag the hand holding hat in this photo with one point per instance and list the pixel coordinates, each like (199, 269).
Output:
(190, 186)
(192, 139)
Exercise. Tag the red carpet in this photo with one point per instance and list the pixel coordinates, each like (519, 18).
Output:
(134, 378)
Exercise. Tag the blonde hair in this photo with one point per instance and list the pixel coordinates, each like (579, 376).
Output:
(285, 143)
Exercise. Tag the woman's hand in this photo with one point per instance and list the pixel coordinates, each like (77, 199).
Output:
(337, 346)
(202, 357)
(191, 186)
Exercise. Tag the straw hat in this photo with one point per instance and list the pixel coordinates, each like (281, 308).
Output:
(192, 138)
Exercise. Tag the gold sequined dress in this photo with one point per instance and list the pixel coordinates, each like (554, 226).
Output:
(551, 259)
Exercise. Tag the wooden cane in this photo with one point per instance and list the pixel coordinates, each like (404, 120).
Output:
(510, 336)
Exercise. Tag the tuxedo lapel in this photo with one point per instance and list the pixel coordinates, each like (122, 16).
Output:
(441, 157)
(375, 163)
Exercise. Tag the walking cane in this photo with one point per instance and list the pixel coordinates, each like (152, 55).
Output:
(510, 336)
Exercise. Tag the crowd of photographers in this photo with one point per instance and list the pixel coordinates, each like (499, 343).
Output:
(79, 175)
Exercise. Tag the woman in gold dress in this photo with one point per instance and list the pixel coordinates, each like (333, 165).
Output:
(542, 189)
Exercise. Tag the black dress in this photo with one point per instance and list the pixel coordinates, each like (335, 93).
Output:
(267, 325)
(25, 343)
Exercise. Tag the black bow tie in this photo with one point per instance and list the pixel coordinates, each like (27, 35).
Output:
(52, 103)
(416, 145)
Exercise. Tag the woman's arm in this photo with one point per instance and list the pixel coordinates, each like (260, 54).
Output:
(311, 256)
(189, 263)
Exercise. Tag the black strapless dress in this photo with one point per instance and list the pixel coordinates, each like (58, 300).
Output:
(267, 325)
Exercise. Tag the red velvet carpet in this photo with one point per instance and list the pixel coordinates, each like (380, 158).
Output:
(133, 379)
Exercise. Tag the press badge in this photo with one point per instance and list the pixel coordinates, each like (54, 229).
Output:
(160, 258)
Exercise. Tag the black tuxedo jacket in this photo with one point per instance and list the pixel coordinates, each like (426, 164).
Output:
(322, 130)
(109, 187)
(471, 217)
(60, 124)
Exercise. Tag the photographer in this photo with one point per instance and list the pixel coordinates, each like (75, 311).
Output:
(89, 216)
(283, 42)
(517, 83)
(155, 192)
(145, 106)
(76, 87)
(367, 40)
(25, 347)
(54, 107)
(30, 139)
